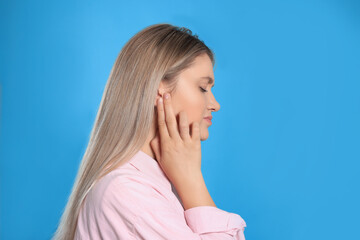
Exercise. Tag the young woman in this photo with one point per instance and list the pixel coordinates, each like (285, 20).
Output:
(140, 177)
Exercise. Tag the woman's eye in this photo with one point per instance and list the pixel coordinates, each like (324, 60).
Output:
(203, 90)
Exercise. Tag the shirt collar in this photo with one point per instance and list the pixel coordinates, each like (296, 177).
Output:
(149, 166)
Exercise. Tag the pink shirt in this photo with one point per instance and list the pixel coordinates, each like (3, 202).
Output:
(137, 201)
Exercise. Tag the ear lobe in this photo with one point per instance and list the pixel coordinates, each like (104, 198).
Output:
(160, 93)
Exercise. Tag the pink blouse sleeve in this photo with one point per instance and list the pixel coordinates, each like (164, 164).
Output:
(210, 221)
(203, 223)
(146, 214)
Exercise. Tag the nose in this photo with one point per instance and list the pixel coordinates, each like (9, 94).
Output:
(213, 105)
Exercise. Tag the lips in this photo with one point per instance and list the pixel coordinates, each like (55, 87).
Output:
(208, 119)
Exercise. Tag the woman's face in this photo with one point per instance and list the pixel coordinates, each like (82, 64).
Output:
(190, 98)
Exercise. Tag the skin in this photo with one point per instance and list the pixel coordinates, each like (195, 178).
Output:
(189, 98)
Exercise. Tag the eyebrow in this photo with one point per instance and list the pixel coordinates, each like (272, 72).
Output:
(211, 80)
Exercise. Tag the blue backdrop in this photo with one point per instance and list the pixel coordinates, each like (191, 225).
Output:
(283, 150)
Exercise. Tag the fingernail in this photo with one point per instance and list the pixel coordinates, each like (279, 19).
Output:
(166, 95)
(160, 99)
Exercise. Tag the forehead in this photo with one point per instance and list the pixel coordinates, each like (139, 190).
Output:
(201, 69)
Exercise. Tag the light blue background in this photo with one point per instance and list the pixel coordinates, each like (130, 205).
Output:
(283, 150)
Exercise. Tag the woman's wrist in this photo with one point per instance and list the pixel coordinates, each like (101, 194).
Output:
(193, 193)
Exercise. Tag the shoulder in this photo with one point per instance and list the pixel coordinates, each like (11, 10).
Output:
(113, 184)
(108, 210)
(123, 189)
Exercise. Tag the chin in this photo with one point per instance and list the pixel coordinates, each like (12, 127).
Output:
(204, 134)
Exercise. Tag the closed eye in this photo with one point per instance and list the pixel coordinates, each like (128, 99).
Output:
(203, 90)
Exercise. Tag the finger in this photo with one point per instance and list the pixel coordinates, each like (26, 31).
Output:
(163, 132)
(170, 118)
(184, 126)
(195, 131)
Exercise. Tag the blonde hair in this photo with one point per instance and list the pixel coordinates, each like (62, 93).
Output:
(159, 52)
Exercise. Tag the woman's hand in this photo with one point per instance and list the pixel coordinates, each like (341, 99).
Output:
(177, 152)
(179, 155)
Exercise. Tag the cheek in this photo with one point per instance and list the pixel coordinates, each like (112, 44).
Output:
(193, 104)
(196, 110)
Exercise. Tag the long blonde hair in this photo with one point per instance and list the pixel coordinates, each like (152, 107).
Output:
(159, 52)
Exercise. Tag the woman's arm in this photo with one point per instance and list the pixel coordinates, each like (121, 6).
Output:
(149, 215)
(193, 193)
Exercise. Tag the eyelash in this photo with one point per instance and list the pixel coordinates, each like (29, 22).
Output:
(203, 90)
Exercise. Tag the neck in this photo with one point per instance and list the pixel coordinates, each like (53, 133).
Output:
(146, 148)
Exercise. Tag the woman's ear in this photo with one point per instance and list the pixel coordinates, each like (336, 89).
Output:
(160, 92)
